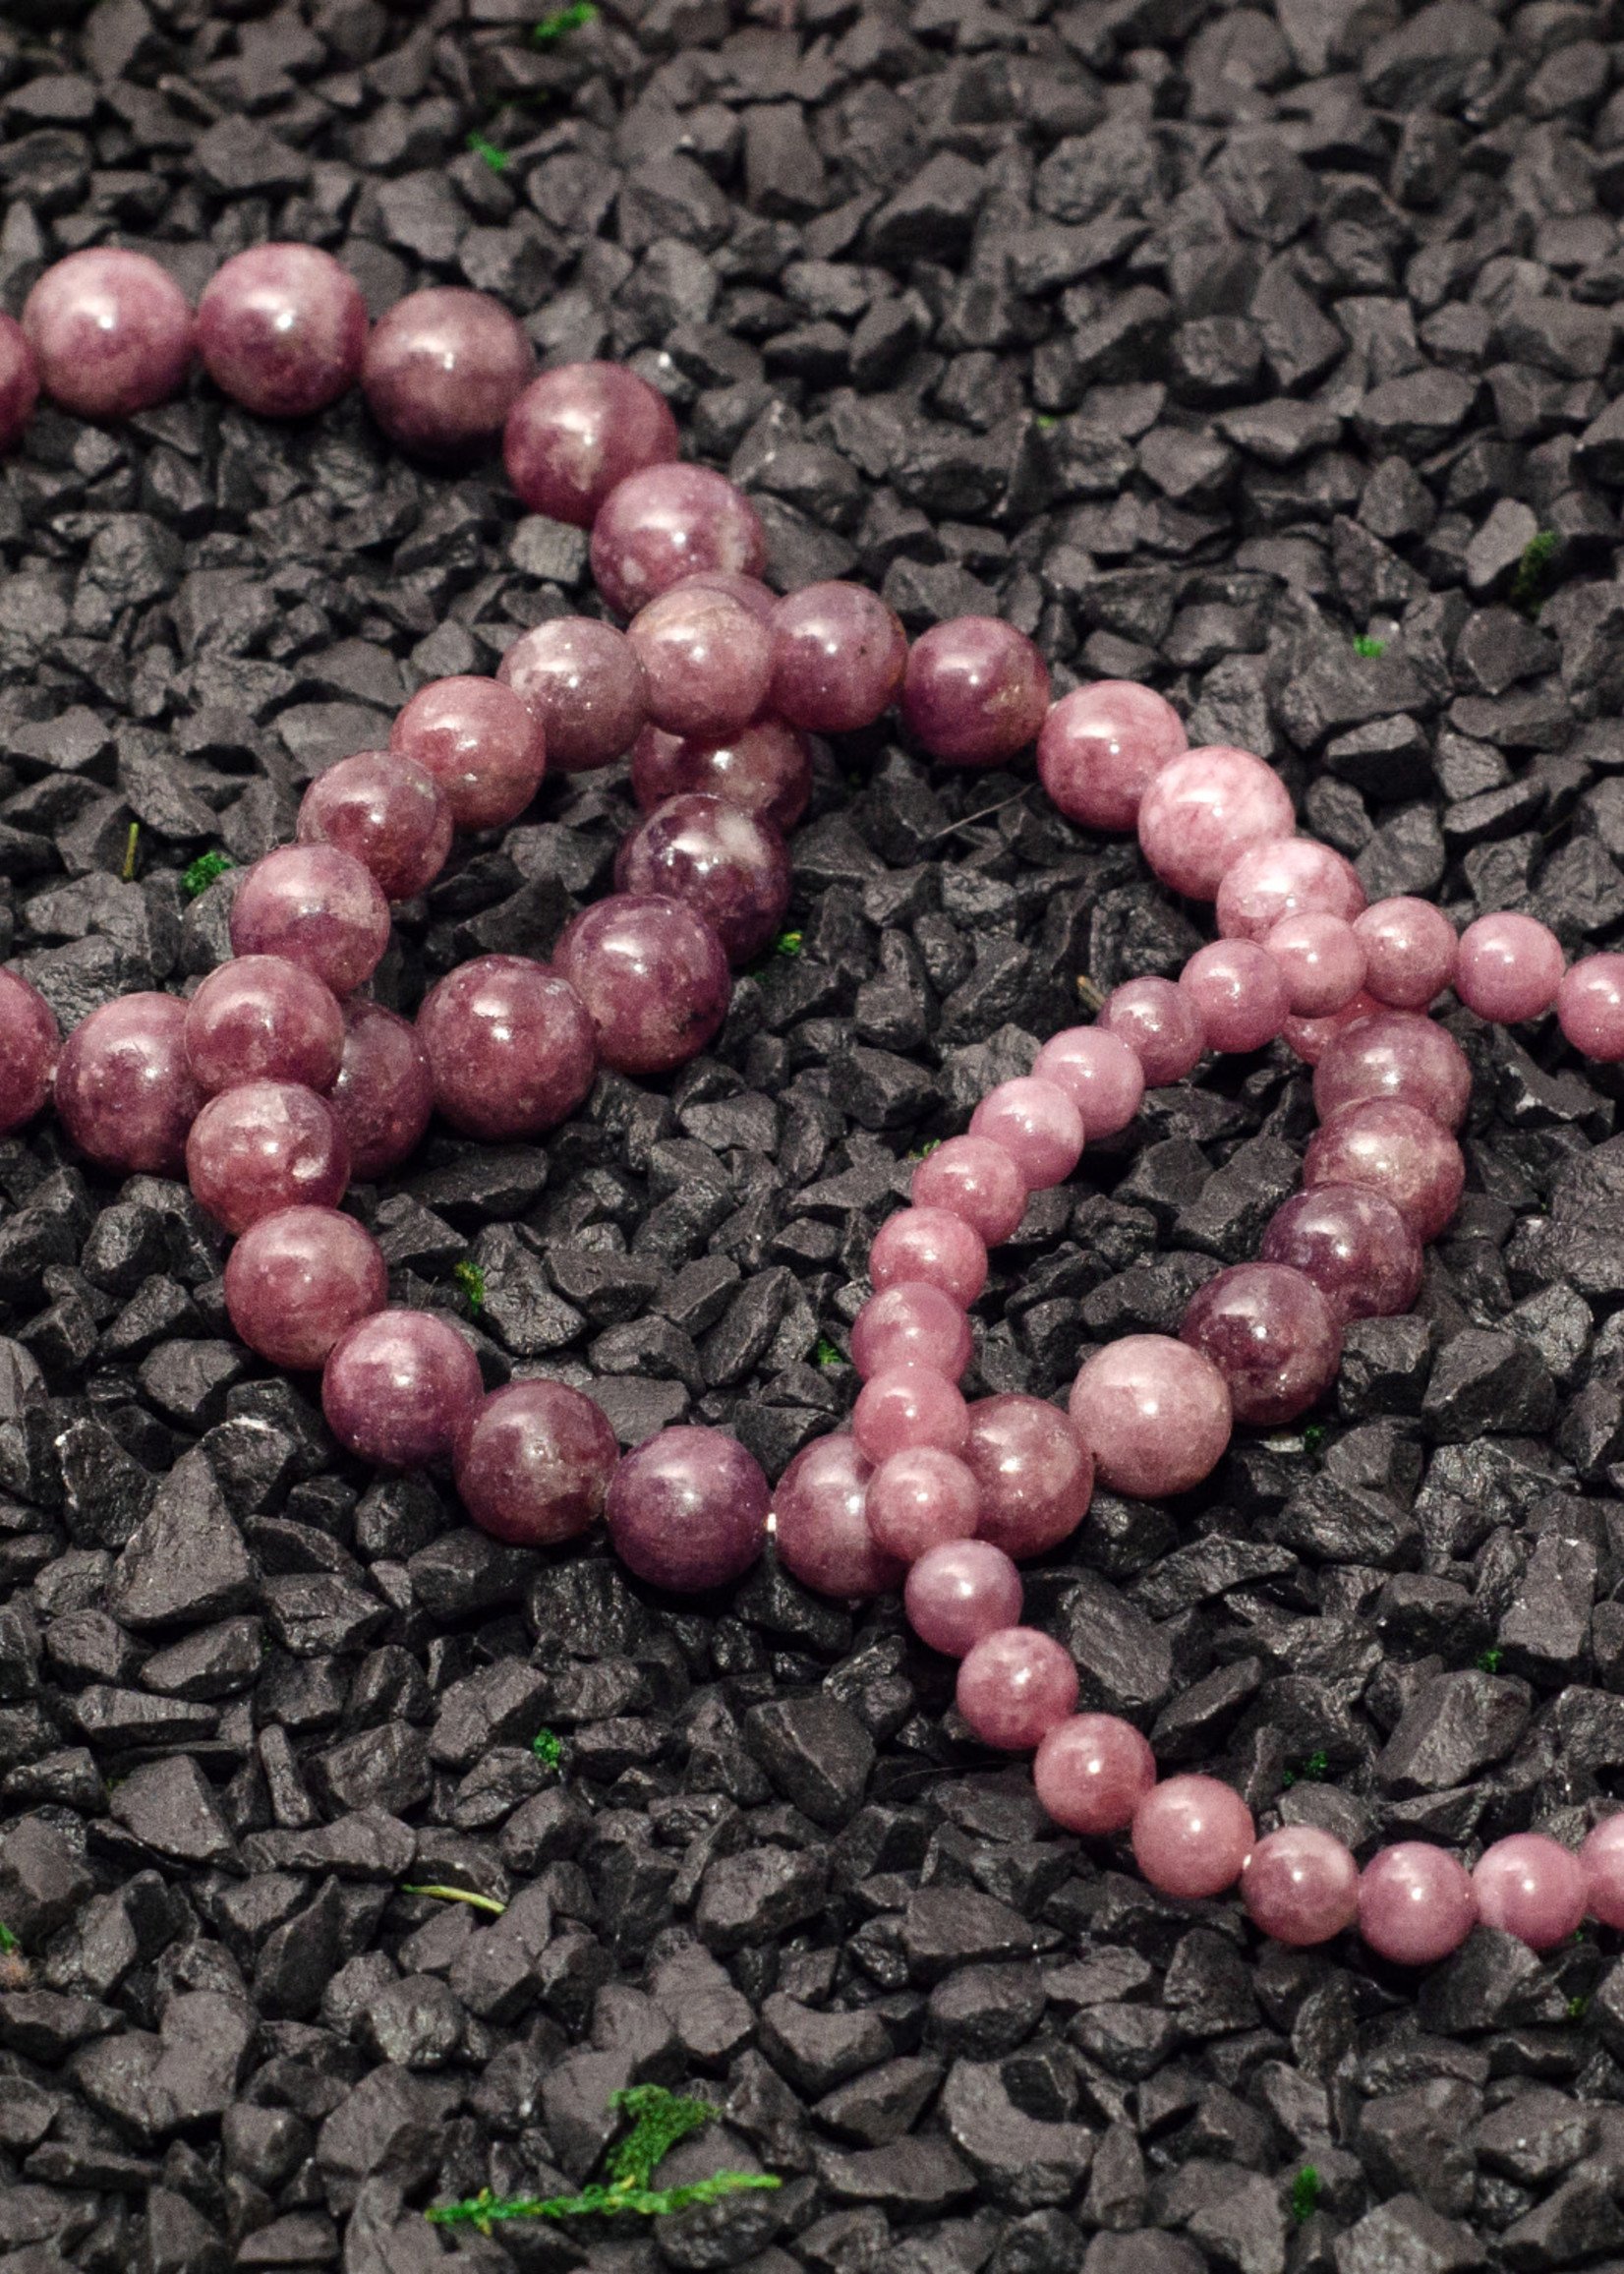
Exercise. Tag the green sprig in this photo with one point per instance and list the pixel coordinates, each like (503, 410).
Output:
(128, 871)
(471, 1279)
(203, 870)
(788, 944)
(566, 20)
(826, 1354)
(1488, 1662)
(498, 160)
(1312, 1772)
(460, 1895)
(547, 1748)
(1527, 586)
(1365, 645)
(1577, 2007)
(8, 1940)
(1306, 2189)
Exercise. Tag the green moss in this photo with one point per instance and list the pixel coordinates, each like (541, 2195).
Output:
(1306, 2193)
(826, 1354)
(787, 944)
(471, 1279)
(1365, 645)
(482, 147)
(203, 870)
(8, 1940)
(1529, 587)
(1488, 1662)
(566, 21)
(548, 1749)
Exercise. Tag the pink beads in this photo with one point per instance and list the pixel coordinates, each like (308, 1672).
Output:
(282, 330)
(319, 908)
(1102, 746)
(28, 1045)
(668, 522)
(706, 660)
(1191, 1835)
(975, 691)
(918, 1499)
(1035, 1473)
(534, 1463)
(123, 1091)
(1309, 1039)
(297, 1281)
(577, 430)
(397, 1387)
(1530, 1886)
(1202, 812)
(384, 812)
(1014, 1686)
(687, 1510)
(731, 868)
(481, 744)
(1301, 1884)
(264, 1147)
(1589, 1007)
(909, 1406)
(1394, 1054)
(1037, 1123)
(261, 1017)
(442, 369)
(838, 655)
(820, 1528)
(1239, 993)
(1098, 1072)
(1155, 1413)
(910, 1324)
(1272, 1336)
(384, 1093)
(764, 768)
(1509, 967)
(18, 382)
(1321, 962)
(1353, 1244)
(973, 1178)
(955, 1594)
(1284, 876)
(1160, 1024)
(1602, 1860)
(111, 331)
(510, 1047)
(1397, 1150)
(582, 684)
(1409, 949)
(933, 1244)
(1091, 1772)
(1415, 1903)
(653, 976)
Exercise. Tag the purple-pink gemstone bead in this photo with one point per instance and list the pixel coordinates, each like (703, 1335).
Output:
(1102, 746)
(1301, 1884)
(1353, 1244)
(30, 1041)
(1014, 1686)
(581, 682)
(1091, 1772)
(124, 1090)
(1589, 1007)
(264, 1147)
(1409, 950)
(920, 1498)
(1397, 1150)
(580, 429)
(668, 522)
(1240, 994)
(397, 1387)
(1099, 1074)
(976, 1179)
(1508, 967)
(1272, 1336)
(706, 660)
(910, 1406)
(510, 1047)
(260, 1018)
(1155, 1413)
(838, 655)
(18, 382)
(930, 1243)
(112, 332)
(1160, 1024)
(297, 1280)
(1321, 962)
(1284, 876)
(317, 907)
(956, 1594)
(1415, 1903)
(1602, 1860)
(1191, 1835)
(1309, 1039)
(687, 1510)
(1037, 1124)
(765, 768)
(1394, 1054)
(384, 1093)
(910, 1324)
(282, 330)
(731, 867)
(1530, 1886)
(1204, 810)
(653, 976)
(534, 1463)
(975, 691)
(480, 742)
(1035, 1473)
(385, 812)
(820, 1528)
(442, 369)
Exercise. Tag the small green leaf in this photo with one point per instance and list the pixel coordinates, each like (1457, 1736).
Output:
(8, 1940)
(496, 159)
(1044, 421)
(471, 1279)
(1488, 1662)
(787, 944)
(1577, 2007)
(826, 1354)
(203, 870)
(127, 872)
(1305, 2192)
(547, 1748)
(924, 1151)
(1314, 1436)
(1527, 586)
(1365, 645)
(460, 1895)
(566, 20)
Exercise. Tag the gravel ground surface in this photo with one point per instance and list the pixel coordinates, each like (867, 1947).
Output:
(1267, 357)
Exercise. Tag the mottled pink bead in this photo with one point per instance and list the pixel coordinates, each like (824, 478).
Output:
(29, 1040)
(264, 1147)
(282, 330)
(838, 655)
(1409, 949)
(706, 661)
(397, 1387)
(1284, 876)
(260, 1018)
(1102, 746)
(124, 1090)
(315, 907)
(18, 382)
(1035, 1473)
(1415, 1903)
(581, 682)
(297, 1280)
(687, 1510)
(1509, 967)
(911, 1404)
(112, 332)
(1602, 1860)
(668, 522)
(1394, 1054)
(930, 1243)
(510, 1047)
(919, 1499)
(442, 369)
(1037, 1123)
(1204, 810)
(1154, 1413)
(820, 1528)
(481, 743)
(910, 1324)
(1191, 1835)
(1589, 1007)
(973, 1178)
(1397, 1150)
(578, 430)
(385, 812)
(1098, 1072)
(731, 867)
(1014, 1686)
(759, 597)
(975, 691)
(1160, 1024)
(956, 1594)
(534, 1463)
(653, 976)
(1309, 1038)
(1272, 1336)
(765, 769)
(385, 1094)
(1530, 1886)
(1321, 962)
(1353, 1244)
(1239, 992)
(1301, 1884)
(1091, 1772)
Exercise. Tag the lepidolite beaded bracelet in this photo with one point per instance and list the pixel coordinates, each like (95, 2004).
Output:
(278, 1079)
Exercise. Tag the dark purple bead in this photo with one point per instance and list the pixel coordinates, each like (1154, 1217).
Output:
(579, 429)
(687, 1510)
(385, 1094)
(1353, 1244)
(18, 382)
(534, 1463)
(764, 768)
(30, 1041)
(124, 1090)
(730, 866)
(398, 1386)
(1272, 1336)
(112, 332)
(510, 1046)
(653, 976)
(442, 369)
(388, 813)
(282, 330)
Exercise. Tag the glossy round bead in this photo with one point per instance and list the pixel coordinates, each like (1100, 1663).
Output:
(819, 1529)
(668, 522)
(264, 1147)
(123, 1091)
(764, 768)
(18, 382)
(282, 330)
(1509, 967)
(1309, 1039)
(297, 1281)
(112, 332)
(975, 691)
(1394, 1054)
(653, 976)
(687, 1510)
(510, 1047)
(1239, 992)
(1321, 962)
(1284, 876)
(1204, 810)
(1102, 746)
(578, 430)
(30, 1041)
(1409, 949)
(1530, 1886)
(534, 1463)
(706, 661)
(1397, 1150)
(1099, 1074)
(1155, 1413)
(1589, 1007)
(442, 369)
(1601, 1859)
(919, 1499)
(481, 743)
(260, 1018)
(1035, 1473)
(581, 682)
(397, 1387)
(385, 1094)
(1014, 1686)
(910, 1324)
(731, 868)
(385, 812)
(1272, 1336)
(959, 1592)
(317, 908)
(1091, 1772)
(1301, 1884)
(1191, 1835)
(909, 1406)
(1353, 1244)
(977, 1180)
(1160, 1024)
(1415, 1903)
(759, 597)
(838, 655)
(1037, 1123)
(930, 1243)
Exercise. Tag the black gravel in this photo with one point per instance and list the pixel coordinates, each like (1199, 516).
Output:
(1201, 343)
